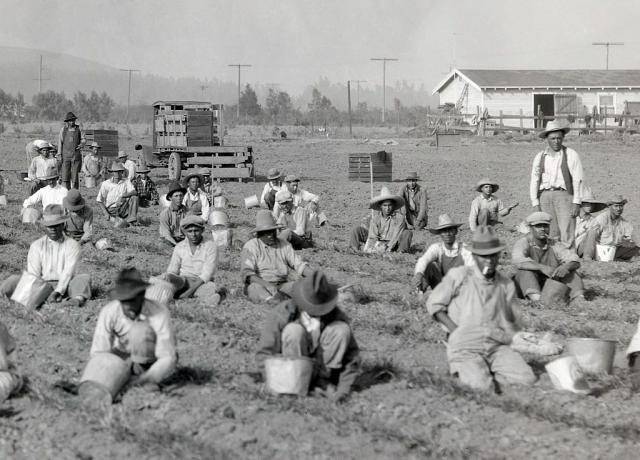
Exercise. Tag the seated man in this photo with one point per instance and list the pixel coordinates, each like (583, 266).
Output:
(476, 305)
(194, 261)
(11, 381)
(300, 197)
(486, 209)
(611, 229)
(440, 257)
(273, 186)
(79, 225)
(311, 324)
(170, 218)
(129, 165)
(588, 207)
(50, 193)
(269, 266)
(415, 202)
(41, 164)
(211, 190)
(146, 188)
(54, 258)
(388, 228)
(195, 199)
(295, 222)
(538, 258)
(117, 197)
(128, 323)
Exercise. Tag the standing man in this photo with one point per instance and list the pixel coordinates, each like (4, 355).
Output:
(415, 202)
(556, 182)
(69, 149)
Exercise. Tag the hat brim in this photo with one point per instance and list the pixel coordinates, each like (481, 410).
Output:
(70, 119)
(143, 171)
(439, 228)
(596, 206)
(191, 176)
(545, 133)
(171, 192)
(538, 222)
(54, 222)
(495, 186)
(53, 176)
(128, 292)
(191, 224)
(488, 251)
(376, 203)
(299, 297)
(412, 178)
(267, 229)
(77, 207)
(274, 177)
(625, 201)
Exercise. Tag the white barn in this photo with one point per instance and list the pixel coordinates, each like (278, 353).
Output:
(555, 92)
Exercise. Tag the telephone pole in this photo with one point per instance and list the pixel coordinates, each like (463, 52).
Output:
(129, 93)
(40, 78)
(384, 82)
(607, 44)
(239, 66)
(202, 88)
(357, 82)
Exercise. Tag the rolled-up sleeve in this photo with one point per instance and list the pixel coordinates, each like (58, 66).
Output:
(564, 253)
(248, 262)
(534, 185)
(431, 254)
(309, 197)
(176, 261)
(164, 224)
(293, 259)
(102, 336)
(442, 295)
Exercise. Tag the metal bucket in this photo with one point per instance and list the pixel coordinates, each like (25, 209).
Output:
(565, 374)
(89, 181)
(222, 238)
(605, 253)
(107, 371)
(31, 290)
(220, 202)
(30, 215)
(288, 375)
(251, 201)
(554, 292)
(3, 200)
(322, 219)
(593, 355)
(162, 290)
(9, 383)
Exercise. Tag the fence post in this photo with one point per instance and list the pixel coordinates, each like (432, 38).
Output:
(605, 120)
(521, 130)
(540, 117)
(501, 125)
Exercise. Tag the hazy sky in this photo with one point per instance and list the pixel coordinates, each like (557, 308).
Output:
(293, 42)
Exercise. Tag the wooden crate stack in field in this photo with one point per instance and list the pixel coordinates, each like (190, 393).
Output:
(360, 164)
(228, 163)
(106, 138)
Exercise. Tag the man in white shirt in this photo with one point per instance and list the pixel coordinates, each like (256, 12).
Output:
(129, 166)
(52, 193)
(273, 186)
(195, 200)
(118, 197)
(300, 198)
(556, 182)
(295, 222)
(41, 163)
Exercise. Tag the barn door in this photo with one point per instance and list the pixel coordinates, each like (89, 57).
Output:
(566, 104)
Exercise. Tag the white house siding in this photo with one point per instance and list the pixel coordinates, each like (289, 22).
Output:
(452, 91)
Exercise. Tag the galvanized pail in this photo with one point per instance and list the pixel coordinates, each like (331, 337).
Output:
(593, 355)
(288, 375)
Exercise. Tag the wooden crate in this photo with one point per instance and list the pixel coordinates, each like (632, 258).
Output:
(107, 138)
(360, 164)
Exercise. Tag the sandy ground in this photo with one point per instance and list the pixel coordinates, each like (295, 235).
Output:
(405, 406)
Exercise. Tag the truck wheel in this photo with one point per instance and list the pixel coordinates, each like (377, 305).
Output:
(174, 166)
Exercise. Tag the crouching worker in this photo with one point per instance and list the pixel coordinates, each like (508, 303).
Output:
(79, 225)
(10, 381)
(53, 258)
(133, 337)
(269, 266)
(475, 304)
(170, 217)
(311, 324)
(295, 222)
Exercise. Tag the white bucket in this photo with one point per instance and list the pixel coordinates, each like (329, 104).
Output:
(30, 215)
(605, 253)
(89, 181)
(288, 375)
(222, 238)
(322, 219)
(107, 371)
(160, 291)
(566, 374)
(220, 202)
(141, 340)
(251, 201)
(9, 383)
(164, 203)
(593, 355)
(218, 218)
(3, 200)
(31, 290)
(103, 244)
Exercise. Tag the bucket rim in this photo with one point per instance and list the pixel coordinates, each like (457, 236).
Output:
(590, 339)
(289, 358)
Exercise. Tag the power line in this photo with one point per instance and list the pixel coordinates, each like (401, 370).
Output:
(129, 94)
(607, 45)
(239, 66)
(384, 82)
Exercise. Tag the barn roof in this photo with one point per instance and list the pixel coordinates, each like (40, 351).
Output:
(586, 78)
(180, 103)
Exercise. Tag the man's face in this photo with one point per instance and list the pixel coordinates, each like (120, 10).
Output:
(486, 189)
(194, 234)
(448, 235)
(487, 264)
(412, 183)
(554, 139)
(207, 180)
(94, 150)
(587, 208)
(71, 123)
(386, 208)
(540, 231)
(55, 232)
(287, 206)
(194, 183)
(274, 182)
(52, 182)
(269, 237)
(44, 153)
(176, 199)
(132, 307)
(616, 210)
(293, 186)
(116, 175)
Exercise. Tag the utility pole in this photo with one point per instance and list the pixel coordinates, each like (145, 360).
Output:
(129, 93)
(40, 79)
(202, 88)
(607, 44)
(239, 66)
(357, 82)
(384, 82)
(349, 105)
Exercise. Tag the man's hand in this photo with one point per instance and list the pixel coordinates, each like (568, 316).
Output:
(548, 271)
(55, 296)
(560, 272)
(575, 210)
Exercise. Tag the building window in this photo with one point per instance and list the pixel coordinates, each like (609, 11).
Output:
(605, 102)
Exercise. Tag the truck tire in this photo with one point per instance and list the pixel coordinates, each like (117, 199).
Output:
(174, 166)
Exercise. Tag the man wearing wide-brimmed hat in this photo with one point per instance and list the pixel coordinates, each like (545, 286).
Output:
(170, 217)
(294, 220)
(311, 324)
(54, 258)
(486, 209)
(129, 165)
(440, 257)
(92, 165)
(69, 142)
(415, 202)
(269, 266)
(50, 193)
(118, 197)
(476, 305)
(588, 207)
(539, 258)
(137, 330)
(611, 229)
(146, 188)
(273, 186)
(195, 199)
(41, 163)
(79, 225)
(556, 182)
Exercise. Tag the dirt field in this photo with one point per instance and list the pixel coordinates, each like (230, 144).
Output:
(406, 405)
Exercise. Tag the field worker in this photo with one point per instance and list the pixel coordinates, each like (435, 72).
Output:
(300, 197)
(41, 163)
(92, 165)
(476, 305)
(311, 324)
(146, 188)
(415, 202)
(54, 258)
(294, 220)
(273, 186)
(538, 257)
(79, 225)
(440, 257)
(611, 229)
(117, 196)
(69, 142)
(50, 193)
(170, 217)
(269, 266)
(137, 330)
(209, 188)
(388, 228)
(129, 166)
(486, 209)
(195, 199)
(588, 208)
(195, 260)
(556, 182)
(11, 382)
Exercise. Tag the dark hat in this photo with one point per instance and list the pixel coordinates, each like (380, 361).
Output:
(128, 285)
(385, 195)
(485, 241)
(138, 147)
(142, 169)
(70, 116)
(485, 181)
(175, 187)
(73, 201)
(53, 215)
(412, 176)
(191, 220)
(190, 176)
(444, 221)
(273, 174)
(116, 166)
(95, 144)
(616, 199)
(554, 125)
(315, 295)
(588, 198)
(265, 221)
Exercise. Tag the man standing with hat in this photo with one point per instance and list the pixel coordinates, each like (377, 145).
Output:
(268, 265)
(69, 142)
(195, 199)
(170, 217)
(117, 196)
(611, 229)
(295, 222)
(588, 207)
(50, 193)
(556, 182)
(476, 305)
(539, 258)
(486, 209)
(92, 166)
(40, 164)
(54, 258)
(79, 225)
(129, 166)
(146, 188)
(415, 202)
(273, 186)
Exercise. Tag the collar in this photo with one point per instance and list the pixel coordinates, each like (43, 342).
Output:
(454, 246)
(533, 243)
(478, 274)
(180, 208)
(491, 198)
(550, 152)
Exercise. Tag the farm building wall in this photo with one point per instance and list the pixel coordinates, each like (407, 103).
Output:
(451, 93)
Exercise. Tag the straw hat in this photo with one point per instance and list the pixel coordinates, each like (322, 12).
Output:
(192, 175)
(444, 221)
(129, 284)
(273, 174)
(485, 181)
(175, 187)
(94, 144)
(70, 116)
(144, 169)
(122, 154)
(73, 201)
(116, 166)
(554, 125)
(43, 145)
(412, 176)
(588, 198)
(192, 220)
(616, 199)
(539, 217)
(283, 196)
(52, 173)
(385, 195)
(485, 241)
(218, 218)
(291, 178)
(315, 295)
(53, 215)
(265, 221)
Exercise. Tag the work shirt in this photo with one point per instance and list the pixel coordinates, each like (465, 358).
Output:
(79, 226)
(54, 261)
(110, 192)
(299, 199)
(46, 195)
(92, 165)
(201, 263)
(272, 264)
(40, 167)
(170, 222)
(436, 251)
(197, 203)
(525, 250)
(297, 221)
(415, 204)
(130, 166)
(385, 229)
(266, 190)
(146, 189)
(492, 204)
(552, 175)
(582, 226)
(611, 232)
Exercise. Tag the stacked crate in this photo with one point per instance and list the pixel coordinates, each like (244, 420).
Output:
(360, 165)
(106, 138)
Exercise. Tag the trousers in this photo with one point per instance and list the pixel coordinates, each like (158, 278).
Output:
(485, 218)
(259, 294)
(333, 343)
(298, 242)
(79, 286)
(587, 248)
(558, 204)
(532, 282)
(127, 210)
(70, 172)
(359, 236)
